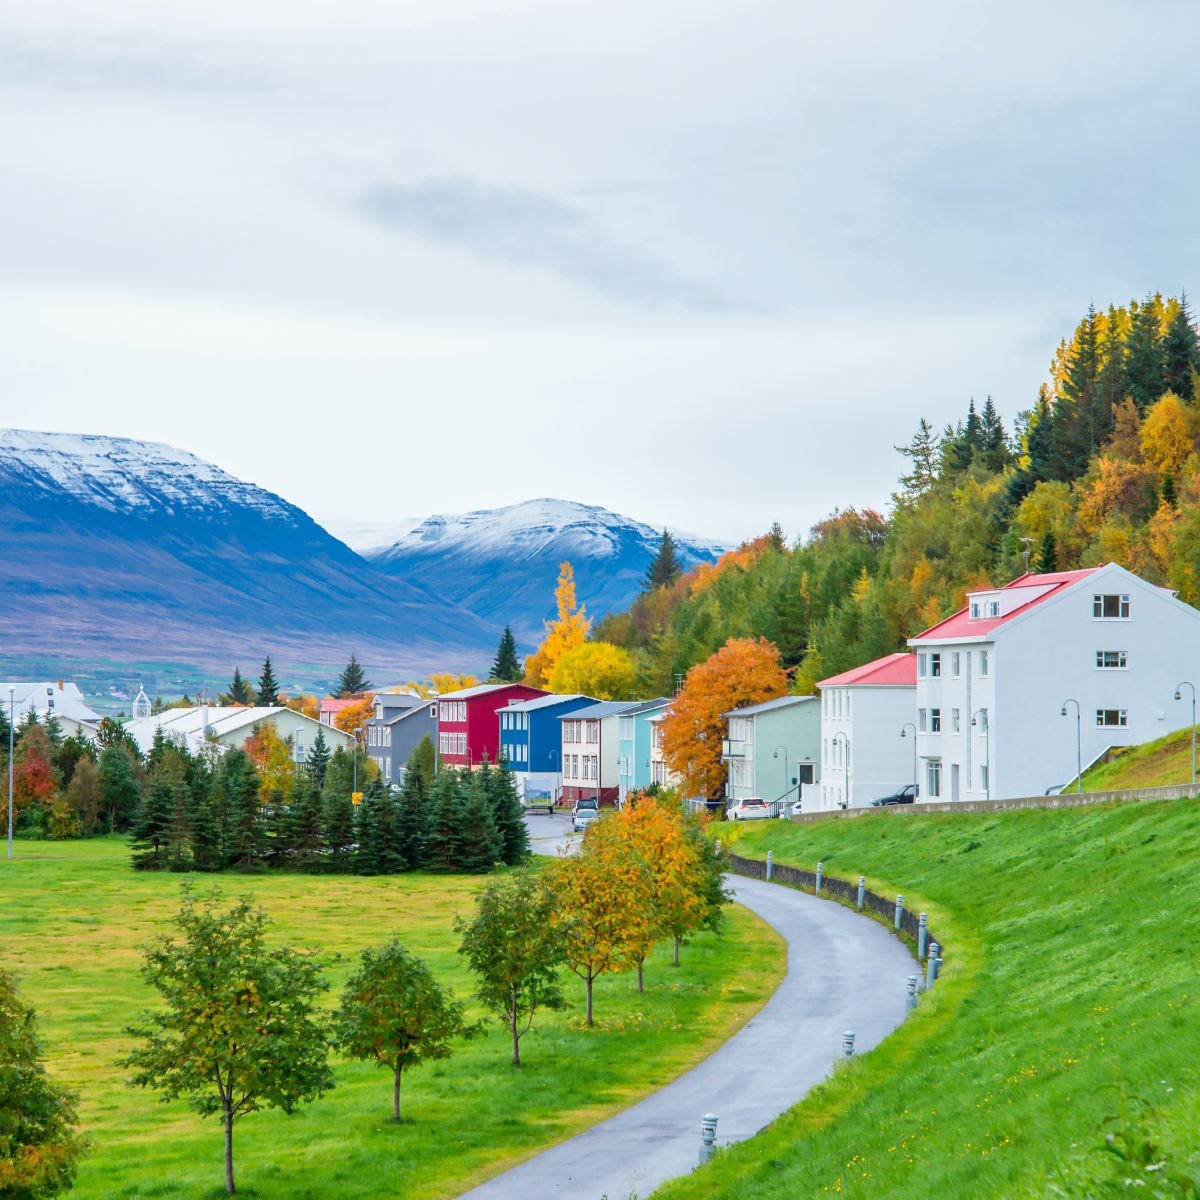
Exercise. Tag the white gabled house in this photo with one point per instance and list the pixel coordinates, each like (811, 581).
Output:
(993, 680)
(863, 712)
(52, 699)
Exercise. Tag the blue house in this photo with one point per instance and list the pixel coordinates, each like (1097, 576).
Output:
(633, 750)
(531, 741)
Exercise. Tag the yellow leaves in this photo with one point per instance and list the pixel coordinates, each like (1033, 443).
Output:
(1165, 438)
(570, 629)
(1116, 486)
(597, 669)
(354, 716)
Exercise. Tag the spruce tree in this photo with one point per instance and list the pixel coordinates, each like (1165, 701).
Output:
(922, 453)
(411, 814)
(119, 788)
(508, 815)
(1181, 353)
(305, 831)
(245, 835)
(665, 568)
(441, 851)
(268, 685)
(277, 829)
(337, 827)
(1047, 559)
(318, 758)
(1144, 356)
(353, 680)
(507, 667)
(148, 844)
(480, 845)
(423, 760)
(205, 834)
(240, 691)
(1110, 384)
(993, 443)
(368, 831)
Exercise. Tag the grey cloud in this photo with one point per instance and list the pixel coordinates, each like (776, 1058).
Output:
(531, 229)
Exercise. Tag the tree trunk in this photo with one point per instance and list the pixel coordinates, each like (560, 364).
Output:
(512, 1020)
(396, 1094)
(675, 961)
(639, 966)
(588, 981)
(229, 1152)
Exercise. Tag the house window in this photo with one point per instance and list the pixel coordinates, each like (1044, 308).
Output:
(935, 720)
(955, 723)
(993, 608)
(935, 665)
(1112, 660)
(954, 664)
(922, 723)
(593, 731)
(1112, 718)
(848, 695)
(983, 662)
(933, 777)
(922, 664)
(974, 610)
(983, 720)
(1110, 608)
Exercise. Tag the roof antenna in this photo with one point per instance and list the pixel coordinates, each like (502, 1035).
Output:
(1028, 550)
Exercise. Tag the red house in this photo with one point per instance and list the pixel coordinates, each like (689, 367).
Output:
(469, 724)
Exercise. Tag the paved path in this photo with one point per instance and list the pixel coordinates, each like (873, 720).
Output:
(844, 972)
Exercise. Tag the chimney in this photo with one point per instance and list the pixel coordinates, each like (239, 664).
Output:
(60, 685)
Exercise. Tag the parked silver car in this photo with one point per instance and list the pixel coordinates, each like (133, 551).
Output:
(583, 814)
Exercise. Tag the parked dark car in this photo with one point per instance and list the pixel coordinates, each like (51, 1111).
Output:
(906, 795)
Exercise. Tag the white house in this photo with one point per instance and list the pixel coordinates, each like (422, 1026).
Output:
(231, 726)
(591, 751)
(863, 714)
(63, 701)
(994, 680)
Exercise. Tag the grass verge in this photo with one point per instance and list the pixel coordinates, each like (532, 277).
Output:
(1056, 1057)
(74, 916)
(1161, 763)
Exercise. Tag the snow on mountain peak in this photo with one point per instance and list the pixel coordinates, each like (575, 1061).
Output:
(123, 473)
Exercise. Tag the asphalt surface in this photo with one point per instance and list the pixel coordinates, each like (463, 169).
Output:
(844, 972)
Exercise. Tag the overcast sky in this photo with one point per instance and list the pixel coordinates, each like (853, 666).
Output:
(702, 263)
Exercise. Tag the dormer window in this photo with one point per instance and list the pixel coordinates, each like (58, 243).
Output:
(974, 610)
(993, 608)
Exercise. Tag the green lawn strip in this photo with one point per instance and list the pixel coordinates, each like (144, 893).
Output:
(74, 916)
(1161, 763)
(1067, 1012)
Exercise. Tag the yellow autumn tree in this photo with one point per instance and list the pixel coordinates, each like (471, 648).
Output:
(568, 630)
(272, 757)
(354, 716)
(1165, 437)
(744, 671)
(597, 669)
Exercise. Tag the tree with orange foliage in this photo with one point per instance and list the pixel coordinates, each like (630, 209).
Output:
(744, 671)
(353, 717)
(568, 630)
(272, 758)
(309, 706)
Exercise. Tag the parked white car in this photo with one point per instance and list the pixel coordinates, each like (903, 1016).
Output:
(753, 808)
(583, 814)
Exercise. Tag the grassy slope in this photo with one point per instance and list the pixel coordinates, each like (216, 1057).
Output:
(72, 919)
(1067, 1011)
(1159, 763)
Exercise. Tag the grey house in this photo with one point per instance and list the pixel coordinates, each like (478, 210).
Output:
(399, 723)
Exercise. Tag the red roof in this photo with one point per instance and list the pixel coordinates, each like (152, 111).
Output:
(893, 670)
(330, 705)
(961, 625)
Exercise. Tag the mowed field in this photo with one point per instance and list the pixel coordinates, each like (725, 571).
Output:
(73, 917)
(1057, 1056)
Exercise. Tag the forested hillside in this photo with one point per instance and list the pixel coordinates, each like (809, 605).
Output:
(1102, 468)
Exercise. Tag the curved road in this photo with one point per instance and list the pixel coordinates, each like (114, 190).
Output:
(844, 972)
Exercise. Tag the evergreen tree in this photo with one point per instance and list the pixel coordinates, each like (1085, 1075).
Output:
(352, 681)
(119, 787)
(306, 834)
(423, 760)
(1144, 356)
(1110, 384)
(1168, 493)
(410, 821)
(441, 851)
(240, 691)
(318, 758)
(205, 833)
(507, 667)
(268, 685)
(245, 835)
(1047, 559)
(923, 453)
(149, 843)
(665, 568)
(368, 831)
(1181, 353)
(480, 845)
(500, 787)
(993, 443)
(337, 826)
(277, 829)
(775, 538)
(179, 834)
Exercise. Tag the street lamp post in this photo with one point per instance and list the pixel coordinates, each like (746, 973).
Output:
(10, 769)
(787, 781)
(1178, 696)
(987, 748)
(1078, 736)
(904, 733)
(846, 765)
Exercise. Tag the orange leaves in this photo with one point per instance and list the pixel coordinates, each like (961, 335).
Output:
(354, 716)
(744, 671)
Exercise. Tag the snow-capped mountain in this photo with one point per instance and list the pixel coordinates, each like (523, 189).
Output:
(116, 548)
(502, 563)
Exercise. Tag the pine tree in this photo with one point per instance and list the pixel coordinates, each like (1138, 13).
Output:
(318, 758)
(508, 815)
(993, 442)
(665, 568)
(179, 832)
(368, 831)
(1110, 383)
(1047, 559)
(245, 835)
(268, 685)
(441, 851)
(1144, 356)
(410, 821)
(240, 692)
(205, 834)
(149, 841)
(1181, 353)
(1168, 493)
(119, 787)
(480, 845)
(352, 681)
(507, 667)
(922, 453)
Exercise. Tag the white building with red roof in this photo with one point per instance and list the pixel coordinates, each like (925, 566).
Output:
(863, 712)
(994, 679)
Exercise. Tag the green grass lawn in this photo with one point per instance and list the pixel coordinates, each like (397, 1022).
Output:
(1067, 1014)
(72, 919)
(1160, 763)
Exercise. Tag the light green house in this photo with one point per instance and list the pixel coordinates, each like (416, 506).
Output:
(773, 749)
